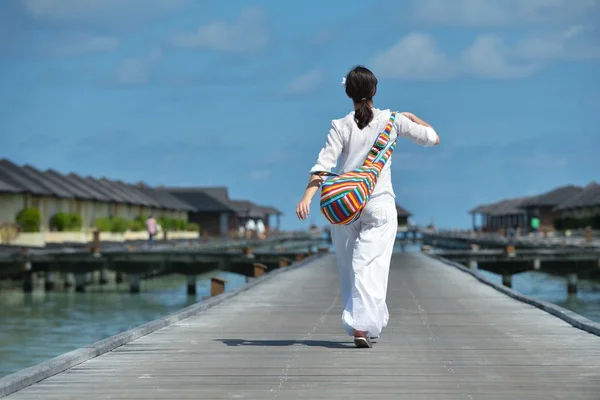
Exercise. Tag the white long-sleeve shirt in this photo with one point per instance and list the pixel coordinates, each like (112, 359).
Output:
(347, 146)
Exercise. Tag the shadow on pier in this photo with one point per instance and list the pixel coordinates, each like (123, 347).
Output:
(284, 343)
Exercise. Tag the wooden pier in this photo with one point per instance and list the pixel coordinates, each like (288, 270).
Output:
(75, 266)
(450, 337)
(459, 240)
(571, 263)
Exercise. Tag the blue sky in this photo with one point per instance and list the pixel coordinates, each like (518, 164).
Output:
(242, 93)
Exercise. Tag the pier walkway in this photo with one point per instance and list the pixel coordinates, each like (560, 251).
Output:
(450, 337)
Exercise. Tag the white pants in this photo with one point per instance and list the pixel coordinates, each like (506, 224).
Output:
(363, 254)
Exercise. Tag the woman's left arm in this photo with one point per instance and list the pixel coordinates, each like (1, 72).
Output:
(326, 161)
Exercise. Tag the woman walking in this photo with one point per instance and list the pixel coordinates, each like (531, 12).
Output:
(364, 248)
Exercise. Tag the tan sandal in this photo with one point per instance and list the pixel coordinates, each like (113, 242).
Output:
(362, 342)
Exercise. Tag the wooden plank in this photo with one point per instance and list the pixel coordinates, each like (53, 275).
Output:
(449, 337)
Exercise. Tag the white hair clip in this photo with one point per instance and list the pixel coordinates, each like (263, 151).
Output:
(344, 81)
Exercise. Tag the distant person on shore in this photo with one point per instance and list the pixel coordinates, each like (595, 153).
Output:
(364, 248)
(152, 228)
(250, 229)
(535, 226)
(260, 229)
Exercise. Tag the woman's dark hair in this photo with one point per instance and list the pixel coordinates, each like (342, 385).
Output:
(361, 86)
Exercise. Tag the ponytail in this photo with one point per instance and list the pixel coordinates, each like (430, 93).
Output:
(361, 86)
(364, 114)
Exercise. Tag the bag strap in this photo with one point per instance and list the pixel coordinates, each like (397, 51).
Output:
(376, 152)
(382, 143)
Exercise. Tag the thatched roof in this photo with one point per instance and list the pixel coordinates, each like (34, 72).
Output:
(27, 179)
(554, 197)
(503, 207)
(588, 197)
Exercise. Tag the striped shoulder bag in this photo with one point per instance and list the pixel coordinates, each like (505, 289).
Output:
(344, 197)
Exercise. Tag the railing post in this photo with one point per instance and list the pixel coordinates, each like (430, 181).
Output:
(283, 262)
(259, 269)
(217, 286)
(510, 250)
(96, 247)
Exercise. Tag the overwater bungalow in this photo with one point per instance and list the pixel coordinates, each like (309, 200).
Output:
(44, 194)
(568, 202)
(220, 215)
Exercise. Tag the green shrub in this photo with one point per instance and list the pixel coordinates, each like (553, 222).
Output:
(60, 221)
(136, 226)
(103, 224)
(112, 224)
(193, 227)
(119, 225)
(29, 219)
(64, 222)
(75, 223)
(172, 224)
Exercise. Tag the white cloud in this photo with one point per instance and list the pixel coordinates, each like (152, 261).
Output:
(417, 56)
(575, 43)
(260, 175)
(137, 70)
(306, 82)
(489, 57)
(93, 10)
(74, 45)
(249, 32)
(502, 12)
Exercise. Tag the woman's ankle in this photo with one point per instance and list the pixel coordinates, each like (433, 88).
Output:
(358, 333)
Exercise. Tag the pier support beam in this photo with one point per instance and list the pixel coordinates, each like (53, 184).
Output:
(49, 281)
(507, 280)
(537, 264)
(191, 285)
(69, 280)
(134, 283)
(572, 283)
(81, 279)
(28, 277)
(28, 282)
(217, 286)
(103, 276)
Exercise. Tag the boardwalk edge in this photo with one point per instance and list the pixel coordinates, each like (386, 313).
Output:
(568, 316)
(21, 379)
